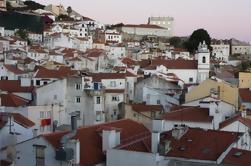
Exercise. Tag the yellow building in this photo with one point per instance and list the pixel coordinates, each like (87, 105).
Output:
(226, 91)
(244, 80)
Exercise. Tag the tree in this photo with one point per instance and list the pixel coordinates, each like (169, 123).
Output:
(69, 10)
(31, 5)
(22, 34)
(198, 36)
(175, 41)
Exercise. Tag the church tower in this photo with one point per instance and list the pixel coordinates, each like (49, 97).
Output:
(203, 57)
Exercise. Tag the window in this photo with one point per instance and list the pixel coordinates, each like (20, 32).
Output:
(190, 79)
(78, 86)
(113, 83)
(55, 97)
(48, 114)
(115, 98)
(42, 115)
(203, 59)
(77, 99)
(98, 100)
(158, 102)
(98, 116)
(40, 157)
(37, 82)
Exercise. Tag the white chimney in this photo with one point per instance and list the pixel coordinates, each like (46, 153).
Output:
(25, 82)
(110, 139)
(155, 141)
(158, 126)
(75, 145)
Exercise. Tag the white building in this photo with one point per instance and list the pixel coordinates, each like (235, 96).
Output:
(145, 30)
(164, 22)
(15, 128)
(95, 139)
(68, 94)
(221, 51)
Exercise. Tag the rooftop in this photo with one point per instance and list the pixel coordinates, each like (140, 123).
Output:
(91, 142)
(189, 114)
(200, 144)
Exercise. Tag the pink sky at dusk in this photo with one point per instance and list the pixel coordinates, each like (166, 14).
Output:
(222, 18)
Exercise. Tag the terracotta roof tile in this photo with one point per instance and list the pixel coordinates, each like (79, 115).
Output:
(14, 69)
(245, 95)
(97, 77)
(20, 119)
(189, 114)
(236, 117)
(200, 144)
(176, 64)
(91, 141)
(60, 73)
(238, 157)
(14, 86)
(11, 100)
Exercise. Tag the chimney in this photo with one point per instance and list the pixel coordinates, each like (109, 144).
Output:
(74, 144)
(158, 126)
(73, 122)
(110, 139)
(155, 141)
(179, 131)
(25, 82)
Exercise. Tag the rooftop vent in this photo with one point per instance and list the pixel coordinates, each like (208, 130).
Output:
(237, 154)
(182, 148)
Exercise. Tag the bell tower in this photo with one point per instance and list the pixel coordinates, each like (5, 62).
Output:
(203, 58)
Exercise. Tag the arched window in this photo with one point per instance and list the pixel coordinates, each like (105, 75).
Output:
(203, 59)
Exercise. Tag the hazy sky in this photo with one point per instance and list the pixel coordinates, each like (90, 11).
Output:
(222, 18)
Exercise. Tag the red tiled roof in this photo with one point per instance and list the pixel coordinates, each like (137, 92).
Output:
(114, 90)
(91, 142)
(199, 144)
(176, 64)
(14, 69)
(143, 26)
(94, 52)
(20, 119)
(237, 117)
(238, 157)
(60, 73)
(97, 77)
(145, 108)
(245, 95)
(14, 86)
(142, 143)
(129, 62)
(11, 100)
(5, 163)
(189, 114)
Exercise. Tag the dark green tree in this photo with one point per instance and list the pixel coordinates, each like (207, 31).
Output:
(31, 5)
(175, 41)
(23, 34)
(198, 36)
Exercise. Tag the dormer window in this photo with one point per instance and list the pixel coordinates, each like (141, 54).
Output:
(203, 59)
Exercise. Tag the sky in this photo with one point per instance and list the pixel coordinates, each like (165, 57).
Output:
(223, 19)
